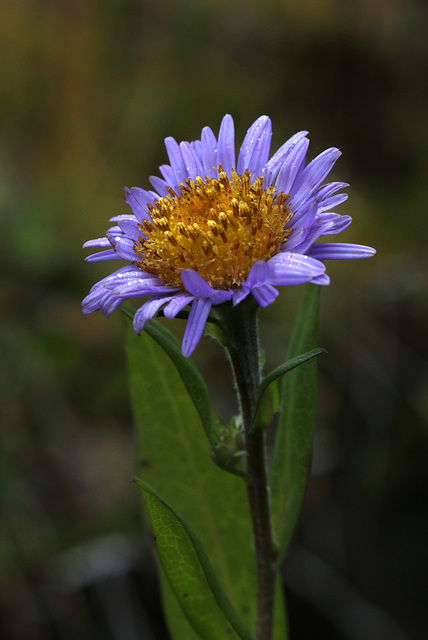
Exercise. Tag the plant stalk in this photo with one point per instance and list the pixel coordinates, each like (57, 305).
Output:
(243, 349)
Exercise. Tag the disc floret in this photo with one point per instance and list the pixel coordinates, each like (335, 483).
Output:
(219, 227)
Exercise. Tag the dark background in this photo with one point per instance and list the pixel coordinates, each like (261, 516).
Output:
(88, 91)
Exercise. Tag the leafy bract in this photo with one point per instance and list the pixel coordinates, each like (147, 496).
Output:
(190, 573)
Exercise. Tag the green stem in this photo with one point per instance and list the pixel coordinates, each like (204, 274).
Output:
(241, 324)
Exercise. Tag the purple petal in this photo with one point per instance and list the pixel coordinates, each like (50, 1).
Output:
(305, 231)
(122, 216)
(130, 228)
(292, 268)
(322, 279)
(191, 161)
(160, 185)
(220, 295)
(308, 237)
(92, 301)
(101, 256)
(176, 159)
(226, 144)
(110, 304)
(261, 151)
(323, 193)
(198, 315)
(197, 148)
(124, 273)
(168, 175)
(138, 288)
(258, 275)
(339, 223)
(321, 200)
(333, 201)
(255, 148)
(177, 304)
(124, 247)
(271, 169)
(340, 251)
(97, 242)
(114, 232)
(240, 294)
(103, 291)
(312, 176)
(100, 298)
(265, 295)
(147, 311)
(312, 230)
(196, 285)
(209, 152)
(138, 199)
(306, 220)
(294, 239)
(292, 165)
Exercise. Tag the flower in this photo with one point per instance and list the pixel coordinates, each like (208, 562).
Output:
(214, 231)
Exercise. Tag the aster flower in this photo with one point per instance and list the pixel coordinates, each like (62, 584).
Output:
(216, 230)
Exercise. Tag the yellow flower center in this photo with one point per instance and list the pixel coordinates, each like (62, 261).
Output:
(218, 227)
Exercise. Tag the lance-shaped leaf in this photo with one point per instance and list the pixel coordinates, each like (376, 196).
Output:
(195, 386)
(190, 573)
(189, 373)
(173, 457)
(293, 447)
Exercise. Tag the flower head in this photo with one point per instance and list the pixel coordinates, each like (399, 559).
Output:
(214, 231)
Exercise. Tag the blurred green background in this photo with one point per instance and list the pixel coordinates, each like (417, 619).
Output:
(88, 91)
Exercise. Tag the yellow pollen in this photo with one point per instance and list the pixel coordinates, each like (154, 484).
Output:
(218, 227)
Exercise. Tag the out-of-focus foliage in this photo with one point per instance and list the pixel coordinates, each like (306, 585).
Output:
(88, 91)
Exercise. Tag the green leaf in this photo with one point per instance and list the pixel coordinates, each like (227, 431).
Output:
(280, 371)
(177, 622)
(172, 456)
(190, 375)
(293, 447)
(196, 388)
(183, 630)
(190, 574)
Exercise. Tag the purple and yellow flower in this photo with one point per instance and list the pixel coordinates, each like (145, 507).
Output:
(216, 230)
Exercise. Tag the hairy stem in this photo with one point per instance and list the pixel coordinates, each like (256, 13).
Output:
(244, 354)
